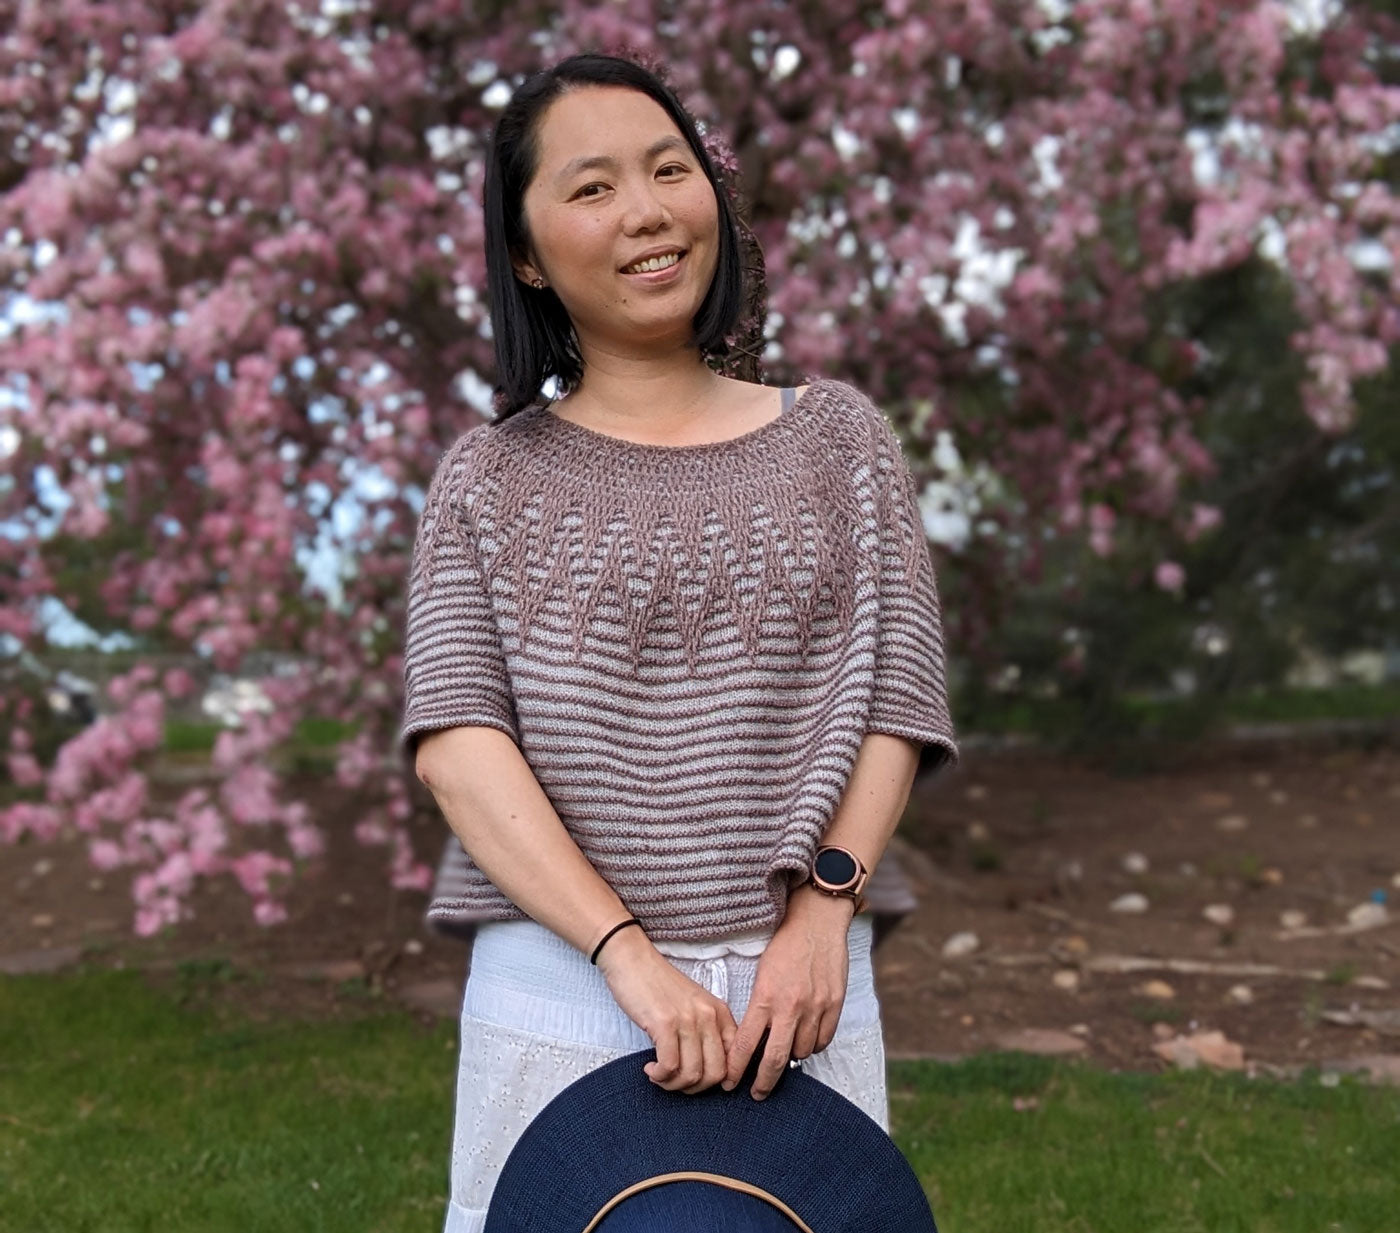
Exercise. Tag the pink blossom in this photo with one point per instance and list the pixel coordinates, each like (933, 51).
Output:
(29, 818)
(306, 841)
(371, 832)
(1203, 518)
(269, 912)
(1169, 576)
(25, 770)
(255, 871)
(177, 683)
(106, 855)
(1101, 523)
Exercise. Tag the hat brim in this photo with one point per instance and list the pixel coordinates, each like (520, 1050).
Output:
(805, 1145)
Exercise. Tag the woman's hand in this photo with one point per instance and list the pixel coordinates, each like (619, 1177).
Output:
(690, 1027)
(798, 991)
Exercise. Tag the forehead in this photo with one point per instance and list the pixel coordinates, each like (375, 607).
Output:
(599, 121)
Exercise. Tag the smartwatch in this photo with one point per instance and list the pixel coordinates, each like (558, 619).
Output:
(838, 871)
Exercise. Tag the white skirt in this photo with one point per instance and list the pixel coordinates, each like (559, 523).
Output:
(537, 1015)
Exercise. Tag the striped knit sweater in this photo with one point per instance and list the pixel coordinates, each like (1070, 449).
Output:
(688, 643)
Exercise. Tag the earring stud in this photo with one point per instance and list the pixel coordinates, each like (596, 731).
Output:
(537, 283)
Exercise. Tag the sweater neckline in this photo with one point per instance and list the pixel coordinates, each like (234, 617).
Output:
(654, 451)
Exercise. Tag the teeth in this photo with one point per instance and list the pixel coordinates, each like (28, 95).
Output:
(653, 264)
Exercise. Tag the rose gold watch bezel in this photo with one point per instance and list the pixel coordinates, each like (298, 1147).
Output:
(853, 888)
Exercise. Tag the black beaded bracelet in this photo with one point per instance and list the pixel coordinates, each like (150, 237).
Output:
(593, 958)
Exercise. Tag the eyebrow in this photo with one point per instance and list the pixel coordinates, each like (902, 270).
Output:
(608, 163)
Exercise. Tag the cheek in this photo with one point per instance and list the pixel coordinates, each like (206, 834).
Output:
(563, 240)
(701, 212)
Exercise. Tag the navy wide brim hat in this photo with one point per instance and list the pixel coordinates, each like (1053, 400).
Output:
(615, 1153)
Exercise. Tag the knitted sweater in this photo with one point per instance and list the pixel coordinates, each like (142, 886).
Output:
(687, 643)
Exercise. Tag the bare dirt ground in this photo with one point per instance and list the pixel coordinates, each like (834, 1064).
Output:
(1024, 850)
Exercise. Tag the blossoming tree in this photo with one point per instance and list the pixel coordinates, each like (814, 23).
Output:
(242, 269)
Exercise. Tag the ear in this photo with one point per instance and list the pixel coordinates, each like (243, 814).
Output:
(528, 273)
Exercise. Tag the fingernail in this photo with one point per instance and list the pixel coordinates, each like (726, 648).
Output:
(727, 1085)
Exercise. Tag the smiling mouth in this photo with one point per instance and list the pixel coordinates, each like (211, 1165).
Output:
(652, 264)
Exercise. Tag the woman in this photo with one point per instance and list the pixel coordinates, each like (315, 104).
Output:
(668, 636)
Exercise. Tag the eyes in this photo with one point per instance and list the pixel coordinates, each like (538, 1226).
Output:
(596, 188)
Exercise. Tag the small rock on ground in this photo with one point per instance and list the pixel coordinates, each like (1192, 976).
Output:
(47, 959)
(960, 945)
(1132, 903)
(1380, 1067)
(1367, 915)
(1201, 1049)
(1046, 1042)
(333, 971)
(437, 997)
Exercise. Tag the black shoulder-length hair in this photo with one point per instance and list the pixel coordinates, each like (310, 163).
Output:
(533, 335)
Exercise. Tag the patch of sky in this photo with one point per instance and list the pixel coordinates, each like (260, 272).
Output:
(1381, 143)
(983, 272)
(786, 61)
(481, 72)
(62, 628)
(846, 142)
(1370, 256)
(1309, 17)
(449, 142)
(1046, 155)
(475, 392)
(1272, 244)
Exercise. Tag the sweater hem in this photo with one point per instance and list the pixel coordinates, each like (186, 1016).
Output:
(452, 914)
(920, 735)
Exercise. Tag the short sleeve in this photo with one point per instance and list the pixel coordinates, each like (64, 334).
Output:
(910, 696)
(454, 668)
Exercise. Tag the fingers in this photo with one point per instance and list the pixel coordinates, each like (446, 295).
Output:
(741, 1047)
(804, 1039)
(713, 1063)
(668, 1057)
(826, 1028)
(775, 1059)
(693, 1056)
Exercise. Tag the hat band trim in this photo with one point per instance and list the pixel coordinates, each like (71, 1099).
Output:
(731, 1183)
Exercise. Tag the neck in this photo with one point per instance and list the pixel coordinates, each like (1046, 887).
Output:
(663, 390)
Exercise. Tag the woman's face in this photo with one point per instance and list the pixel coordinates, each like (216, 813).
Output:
(622, 222)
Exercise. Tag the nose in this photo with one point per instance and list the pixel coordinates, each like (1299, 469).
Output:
(645, 211)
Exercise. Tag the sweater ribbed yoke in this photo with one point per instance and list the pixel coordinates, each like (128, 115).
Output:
(687, 642)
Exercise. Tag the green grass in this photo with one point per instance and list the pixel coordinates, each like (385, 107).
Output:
(126, 1108)
(184, 736)
(1136, 1153)
(1015, 714)
(122, 1110)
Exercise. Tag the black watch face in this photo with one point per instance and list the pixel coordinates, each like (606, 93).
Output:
(835, 867)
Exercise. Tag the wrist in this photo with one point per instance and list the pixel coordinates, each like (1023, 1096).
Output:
(625, 947)
(819, 905)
